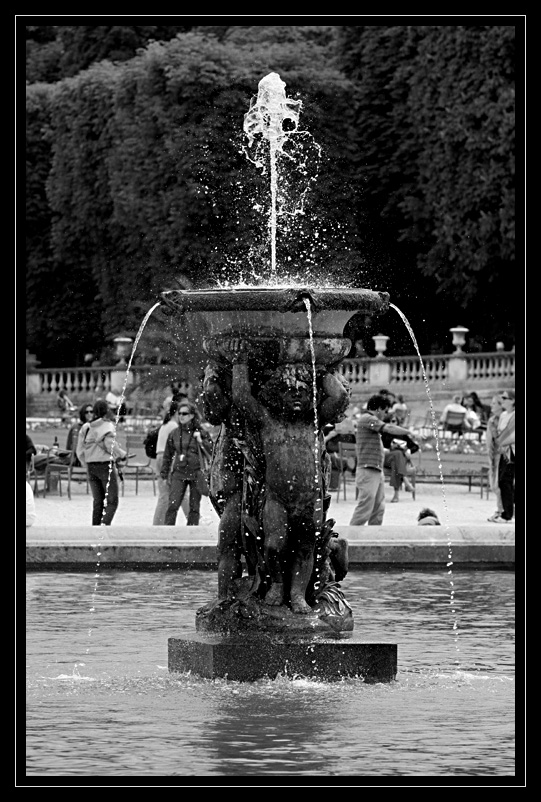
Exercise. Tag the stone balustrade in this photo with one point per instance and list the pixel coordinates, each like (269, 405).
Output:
(89, 381)
(398, 370)
(440, 369)
(442, 372)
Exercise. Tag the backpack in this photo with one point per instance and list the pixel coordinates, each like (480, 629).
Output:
(151, 441)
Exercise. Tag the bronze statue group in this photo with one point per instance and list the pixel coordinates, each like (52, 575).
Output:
(269, 484)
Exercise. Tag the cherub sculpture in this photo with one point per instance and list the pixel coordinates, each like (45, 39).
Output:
(291, 446)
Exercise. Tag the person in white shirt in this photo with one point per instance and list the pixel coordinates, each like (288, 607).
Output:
(472, 417)
(400, 410)
(113, 402)
(455, 406)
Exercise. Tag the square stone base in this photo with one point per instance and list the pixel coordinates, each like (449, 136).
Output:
(245, 658)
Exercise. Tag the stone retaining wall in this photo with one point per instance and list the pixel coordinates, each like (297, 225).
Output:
(130, 547)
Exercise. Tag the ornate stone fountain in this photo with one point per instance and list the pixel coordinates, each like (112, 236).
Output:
(272, 384)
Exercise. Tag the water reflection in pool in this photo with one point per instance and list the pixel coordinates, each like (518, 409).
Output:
(100, 700)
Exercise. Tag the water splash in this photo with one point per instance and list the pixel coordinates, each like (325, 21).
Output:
(449, 564)
(272, 123)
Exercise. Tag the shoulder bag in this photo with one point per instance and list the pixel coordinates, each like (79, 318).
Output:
(201, 482)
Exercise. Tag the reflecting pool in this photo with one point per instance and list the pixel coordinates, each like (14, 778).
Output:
(101, 702)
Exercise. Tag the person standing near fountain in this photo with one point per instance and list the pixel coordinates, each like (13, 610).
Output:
(170, 422)
(369, 476)
(97, 450)
(493, 454)
(506, 447)
(181, 464)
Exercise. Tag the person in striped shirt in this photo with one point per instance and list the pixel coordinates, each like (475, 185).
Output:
(369, 476)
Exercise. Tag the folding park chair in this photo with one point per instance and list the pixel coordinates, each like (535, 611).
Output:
(455, 423)
(54, 471)
(347, 455)
(32, 475)
(76, 473)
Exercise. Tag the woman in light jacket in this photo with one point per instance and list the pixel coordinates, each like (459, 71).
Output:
(98, 451)
(493, 453)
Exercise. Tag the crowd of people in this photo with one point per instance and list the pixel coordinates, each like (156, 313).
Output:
(91, 443)
(184, 448)
(384, 441)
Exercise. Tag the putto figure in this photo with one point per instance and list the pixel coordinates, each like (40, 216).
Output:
(272, 384)
(291, 448)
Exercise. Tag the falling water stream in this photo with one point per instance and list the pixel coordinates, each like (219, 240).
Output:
(111, 463)
(440, 468)
(319, 503)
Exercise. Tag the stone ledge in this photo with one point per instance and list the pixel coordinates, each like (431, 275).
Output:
(126, 547)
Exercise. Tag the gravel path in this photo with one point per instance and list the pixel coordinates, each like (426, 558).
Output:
(459, 508)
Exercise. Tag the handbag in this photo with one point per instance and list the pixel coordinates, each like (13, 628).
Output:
(201, 479)
(202, 484)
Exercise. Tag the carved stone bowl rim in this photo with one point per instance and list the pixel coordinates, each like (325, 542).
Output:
(278, 299)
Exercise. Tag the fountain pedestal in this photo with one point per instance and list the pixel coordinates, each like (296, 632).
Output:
(247, 658)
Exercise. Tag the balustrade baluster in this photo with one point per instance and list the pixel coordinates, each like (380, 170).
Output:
(489, 368)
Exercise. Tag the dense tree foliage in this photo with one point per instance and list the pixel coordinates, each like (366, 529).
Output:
(137, 173)
(60, 51)
(148, 177)
(435, 148)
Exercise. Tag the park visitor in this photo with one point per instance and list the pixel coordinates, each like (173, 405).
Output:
(369, 476)
(506, 465)
(98, 451)
(186, 448)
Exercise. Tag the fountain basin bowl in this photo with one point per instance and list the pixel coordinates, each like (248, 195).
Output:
(276, 319)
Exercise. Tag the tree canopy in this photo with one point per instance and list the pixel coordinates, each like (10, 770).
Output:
(137, 173)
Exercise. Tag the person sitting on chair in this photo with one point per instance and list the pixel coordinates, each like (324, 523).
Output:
(455, 406)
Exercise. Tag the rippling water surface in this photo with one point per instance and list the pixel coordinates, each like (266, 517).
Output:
(101, 703)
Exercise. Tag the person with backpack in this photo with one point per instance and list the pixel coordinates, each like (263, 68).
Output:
(154, 448)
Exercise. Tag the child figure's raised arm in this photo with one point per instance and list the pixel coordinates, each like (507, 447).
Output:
(241, 390)
(217, 403)
(336, 396)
